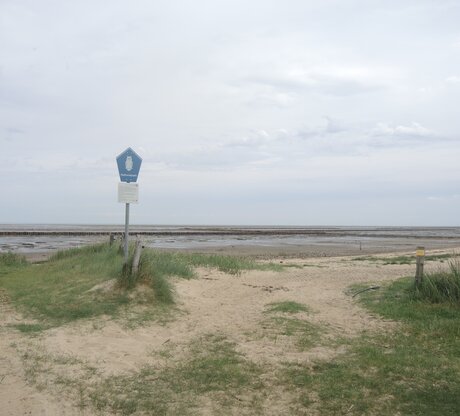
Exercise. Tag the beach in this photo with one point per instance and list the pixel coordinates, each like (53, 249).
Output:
(49, 374)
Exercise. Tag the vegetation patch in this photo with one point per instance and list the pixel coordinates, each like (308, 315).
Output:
(229, 264)
(441, 286)
(29, 328)
(303, 333)
(71, 285)
(10, 259)
(287, 306)
(414, 370)
(58, 291)
(212, 369)
(403, 259)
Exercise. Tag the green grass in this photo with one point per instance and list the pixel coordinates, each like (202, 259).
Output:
(287, 306)
(440, 286)
(387, 260)
(9, 259)
(304, 333)
(56, 292)
(414, 370)
(211, 368)
(436, 257)
(59, 291)
(402, 259)
(229, 264)
(29, 328)
(155, 267)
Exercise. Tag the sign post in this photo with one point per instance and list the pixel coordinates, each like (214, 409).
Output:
(129, 164)
(125, 248)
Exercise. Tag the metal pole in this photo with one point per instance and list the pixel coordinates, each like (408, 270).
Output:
(126, 232)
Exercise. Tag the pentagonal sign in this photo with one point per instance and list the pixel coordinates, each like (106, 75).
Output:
(129, 164)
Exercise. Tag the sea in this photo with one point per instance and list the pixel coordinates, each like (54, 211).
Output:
(26, 238)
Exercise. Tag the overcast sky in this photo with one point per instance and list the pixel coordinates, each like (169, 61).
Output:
(290, 112)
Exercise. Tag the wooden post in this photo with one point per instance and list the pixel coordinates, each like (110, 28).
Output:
(137, 256)
(111, 239)
(420, 261)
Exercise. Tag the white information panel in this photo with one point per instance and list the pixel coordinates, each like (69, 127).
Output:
(128, 193)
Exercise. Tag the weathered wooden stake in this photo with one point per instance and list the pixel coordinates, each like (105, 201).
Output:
(111, 239)
(420, 261)
(137, 256)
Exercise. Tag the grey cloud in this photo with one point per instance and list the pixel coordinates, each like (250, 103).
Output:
(251, 139)
(329, 81)
(454, 79)
(279, 93)
(413, 130)
(331, 126)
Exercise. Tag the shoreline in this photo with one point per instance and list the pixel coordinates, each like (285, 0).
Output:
(280, 252)
(180, 231)
(38, 242)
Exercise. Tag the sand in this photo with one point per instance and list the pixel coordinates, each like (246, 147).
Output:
(233, 306)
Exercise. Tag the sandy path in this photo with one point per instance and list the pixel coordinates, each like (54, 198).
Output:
(214, 302)
(16, 396)
(233, 306)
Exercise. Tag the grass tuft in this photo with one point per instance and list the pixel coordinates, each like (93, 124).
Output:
(287, 306)
(229, 264)
(441, 286)
(213, 367)
(29, 328)
(156, 267)
(10, 259)
(304, 334)
(80, 251)
(402, 259)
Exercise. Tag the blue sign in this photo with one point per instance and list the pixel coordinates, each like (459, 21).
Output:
(129, 164)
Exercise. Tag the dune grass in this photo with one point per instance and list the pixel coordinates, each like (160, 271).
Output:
(156, 267)
(61, 290)
(9, 259)
(412, 370)
(58, 291)
(403, 259)
(441, 286)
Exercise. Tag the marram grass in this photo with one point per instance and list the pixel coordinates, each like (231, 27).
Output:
(441, 286)
(61, 290)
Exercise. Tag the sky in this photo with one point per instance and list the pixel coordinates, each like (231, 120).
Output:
(293, 112)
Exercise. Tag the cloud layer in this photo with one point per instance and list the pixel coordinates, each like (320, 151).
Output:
(305, 112)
